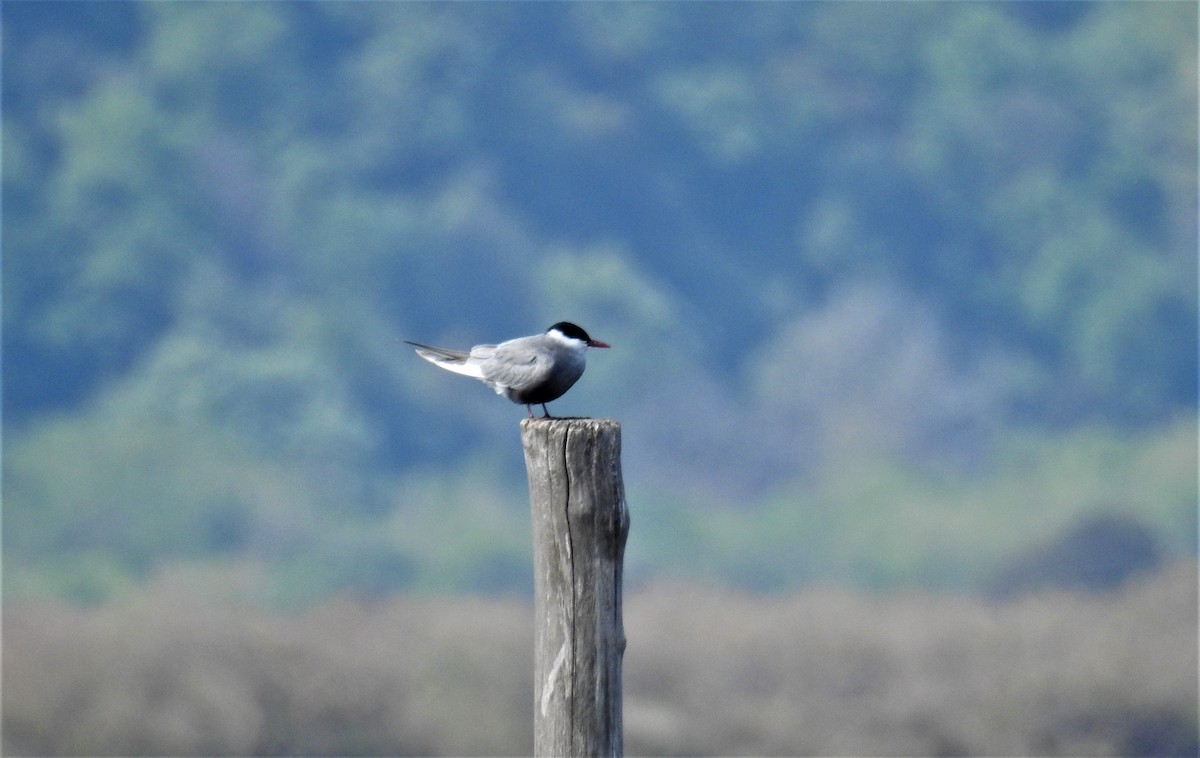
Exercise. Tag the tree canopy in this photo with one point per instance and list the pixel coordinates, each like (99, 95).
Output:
(832, 243)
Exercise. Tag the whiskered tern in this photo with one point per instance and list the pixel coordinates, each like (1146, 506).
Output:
(528, 370)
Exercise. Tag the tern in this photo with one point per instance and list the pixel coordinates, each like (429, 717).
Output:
(527, 370)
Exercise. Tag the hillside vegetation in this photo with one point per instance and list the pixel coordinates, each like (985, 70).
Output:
(897, 292)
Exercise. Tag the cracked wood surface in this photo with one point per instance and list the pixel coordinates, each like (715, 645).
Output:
(580, 522)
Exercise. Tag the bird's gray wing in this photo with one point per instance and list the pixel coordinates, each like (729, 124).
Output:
(516, 364)
(481, 353)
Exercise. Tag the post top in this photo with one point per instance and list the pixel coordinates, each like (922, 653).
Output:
(576, 422)
(526, 423)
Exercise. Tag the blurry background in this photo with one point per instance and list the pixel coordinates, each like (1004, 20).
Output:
(902, 299)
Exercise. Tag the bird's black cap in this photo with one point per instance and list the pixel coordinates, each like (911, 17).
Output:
(570, 330)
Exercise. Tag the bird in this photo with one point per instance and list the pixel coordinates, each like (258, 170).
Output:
(529, 370)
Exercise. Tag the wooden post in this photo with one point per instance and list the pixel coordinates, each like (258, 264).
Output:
(580, 522)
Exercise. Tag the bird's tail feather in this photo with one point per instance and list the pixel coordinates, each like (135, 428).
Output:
(438, 353)
(451, 360)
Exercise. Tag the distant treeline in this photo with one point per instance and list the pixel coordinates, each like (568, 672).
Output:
(895, 290)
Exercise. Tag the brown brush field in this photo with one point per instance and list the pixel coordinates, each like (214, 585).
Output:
(177, 670)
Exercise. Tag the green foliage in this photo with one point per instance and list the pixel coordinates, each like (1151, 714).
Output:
(856, 261)
(881, 524)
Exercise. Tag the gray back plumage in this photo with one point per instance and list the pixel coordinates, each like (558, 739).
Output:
(531, 370)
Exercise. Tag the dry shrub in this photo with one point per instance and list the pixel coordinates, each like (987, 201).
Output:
(833, 672)
(821, 672)
(168, 675)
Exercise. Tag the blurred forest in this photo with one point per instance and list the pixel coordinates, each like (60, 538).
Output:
(902, 298)
(898, 292)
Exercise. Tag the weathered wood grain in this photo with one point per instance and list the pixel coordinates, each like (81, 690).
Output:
(580, 522)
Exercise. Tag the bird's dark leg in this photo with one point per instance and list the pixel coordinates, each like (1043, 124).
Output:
(546, 411)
